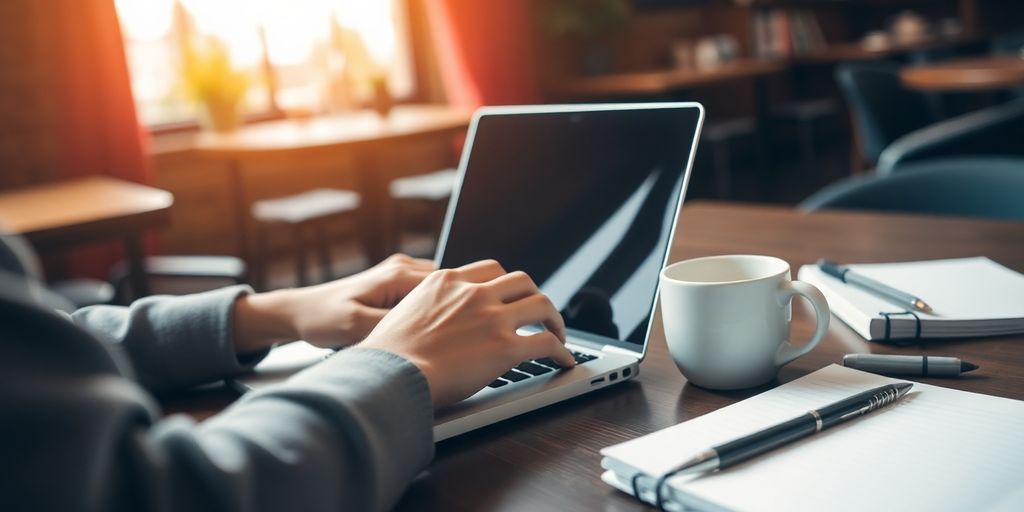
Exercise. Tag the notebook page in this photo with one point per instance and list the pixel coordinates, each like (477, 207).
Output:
(935, 449)
(958, 289)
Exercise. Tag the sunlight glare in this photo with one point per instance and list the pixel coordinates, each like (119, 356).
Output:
(145, 20)
(375, 23)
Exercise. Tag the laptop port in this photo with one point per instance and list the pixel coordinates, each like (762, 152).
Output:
(626, 372)
(596, 381)
(613, 377)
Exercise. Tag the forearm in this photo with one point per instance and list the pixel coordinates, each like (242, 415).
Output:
(264, 319)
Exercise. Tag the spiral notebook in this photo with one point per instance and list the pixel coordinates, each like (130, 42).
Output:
(936, 449)
(969, 297)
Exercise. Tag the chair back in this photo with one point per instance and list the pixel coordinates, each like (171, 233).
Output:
(972, 187)
(882, 109)
(1011, 43)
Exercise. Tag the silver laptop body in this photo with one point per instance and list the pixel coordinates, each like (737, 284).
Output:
(585, 199)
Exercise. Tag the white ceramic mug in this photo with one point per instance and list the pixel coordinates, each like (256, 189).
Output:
(727, 318)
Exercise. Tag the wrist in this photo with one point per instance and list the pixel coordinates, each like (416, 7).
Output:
(264, 319)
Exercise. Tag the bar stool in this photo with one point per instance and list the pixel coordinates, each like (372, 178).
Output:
(431, 191)
(311, 208)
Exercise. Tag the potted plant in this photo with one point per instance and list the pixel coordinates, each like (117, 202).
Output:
(589, 22)
(209, 79)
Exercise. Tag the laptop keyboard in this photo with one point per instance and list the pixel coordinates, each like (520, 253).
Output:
(535, 367)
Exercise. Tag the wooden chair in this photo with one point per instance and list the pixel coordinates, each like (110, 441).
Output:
(313, 208)
(420, 201)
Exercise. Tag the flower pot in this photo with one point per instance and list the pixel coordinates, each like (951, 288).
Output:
(221, 116)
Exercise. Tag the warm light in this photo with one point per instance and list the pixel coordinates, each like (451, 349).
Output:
(375, 22)
(231, 21)
(145, 20)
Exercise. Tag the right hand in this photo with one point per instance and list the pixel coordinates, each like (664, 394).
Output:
(459, 327)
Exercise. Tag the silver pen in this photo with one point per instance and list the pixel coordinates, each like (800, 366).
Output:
(846, 275)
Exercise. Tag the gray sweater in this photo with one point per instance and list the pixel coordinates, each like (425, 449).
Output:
(81, 432)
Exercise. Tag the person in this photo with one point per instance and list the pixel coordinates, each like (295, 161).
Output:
(81, 430)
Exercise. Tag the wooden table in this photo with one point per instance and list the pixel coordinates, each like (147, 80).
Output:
(548, 459)
(86, 210)
(991, 73)
(363, 133)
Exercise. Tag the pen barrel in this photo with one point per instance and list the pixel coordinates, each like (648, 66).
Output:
(927, 366)
(880, 288)
(742, 449)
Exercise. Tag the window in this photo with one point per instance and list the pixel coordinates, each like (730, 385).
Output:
(296, 55)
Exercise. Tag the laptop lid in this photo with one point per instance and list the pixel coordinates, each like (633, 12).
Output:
(584, 198)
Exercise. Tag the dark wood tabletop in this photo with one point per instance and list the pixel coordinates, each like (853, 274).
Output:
(990, 73)
(548, 459)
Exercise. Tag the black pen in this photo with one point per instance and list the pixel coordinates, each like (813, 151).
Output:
(811, 422)
(846, 275)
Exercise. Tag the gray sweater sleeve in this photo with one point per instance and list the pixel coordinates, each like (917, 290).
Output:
(173, 342)
(348, 434)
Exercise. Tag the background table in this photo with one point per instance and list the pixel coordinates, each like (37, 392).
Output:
(990, 73)
(548, 459)
(87, 210)
(364, 134)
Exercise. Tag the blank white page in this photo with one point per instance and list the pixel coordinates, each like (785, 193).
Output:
(936, 449)
(957, 289)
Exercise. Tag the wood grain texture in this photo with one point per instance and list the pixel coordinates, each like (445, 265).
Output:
(548, 459)
(85, 209)
(990, 73)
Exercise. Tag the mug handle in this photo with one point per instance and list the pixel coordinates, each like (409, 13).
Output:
(787, 352)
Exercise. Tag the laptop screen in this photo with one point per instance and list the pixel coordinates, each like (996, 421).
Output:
(582, 201)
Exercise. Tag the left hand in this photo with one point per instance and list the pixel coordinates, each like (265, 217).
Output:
(333, 314)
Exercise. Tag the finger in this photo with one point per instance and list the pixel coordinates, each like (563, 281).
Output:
(538, 309)
(544, 344)
(481, 271)
(514, 286)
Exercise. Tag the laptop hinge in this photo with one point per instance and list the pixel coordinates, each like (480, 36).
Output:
(618, 350)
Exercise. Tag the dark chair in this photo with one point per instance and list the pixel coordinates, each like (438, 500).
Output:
(971, 187)
(941, 105)
(997, 130)
(1011, 43)
(881, 108)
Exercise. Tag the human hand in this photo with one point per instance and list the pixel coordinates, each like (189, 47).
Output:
(333, 314)
(459, 327)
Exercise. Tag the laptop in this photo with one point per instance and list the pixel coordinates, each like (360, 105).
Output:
(584, 198)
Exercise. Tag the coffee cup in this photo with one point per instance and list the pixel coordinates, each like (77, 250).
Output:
(727, 318)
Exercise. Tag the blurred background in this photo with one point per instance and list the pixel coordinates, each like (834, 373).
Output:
(175, 145)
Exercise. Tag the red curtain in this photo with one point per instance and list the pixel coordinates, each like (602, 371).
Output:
(484, 51)
(99, 130)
